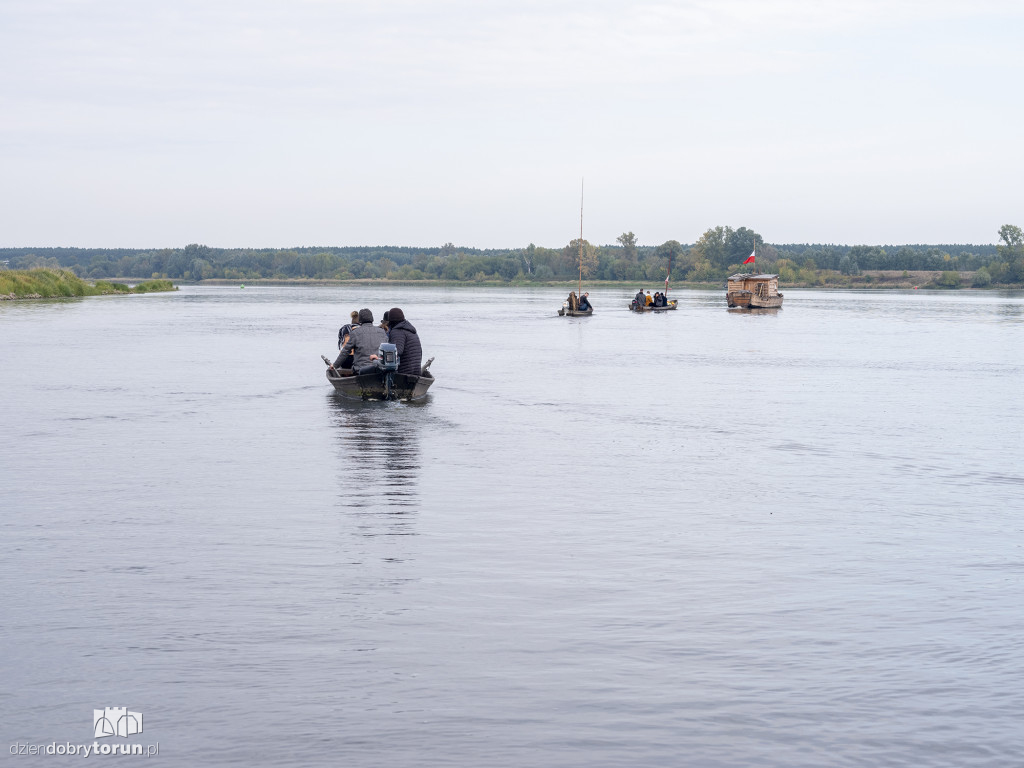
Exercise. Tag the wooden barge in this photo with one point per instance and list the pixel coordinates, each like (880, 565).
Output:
(746, 289)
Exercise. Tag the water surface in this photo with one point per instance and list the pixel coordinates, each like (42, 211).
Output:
(703, 537)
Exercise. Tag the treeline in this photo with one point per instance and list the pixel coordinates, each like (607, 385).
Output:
(719, 252)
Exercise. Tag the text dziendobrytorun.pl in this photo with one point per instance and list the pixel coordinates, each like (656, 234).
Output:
(85, 750)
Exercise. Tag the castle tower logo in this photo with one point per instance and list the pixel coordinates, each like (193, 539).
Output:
(115, 721)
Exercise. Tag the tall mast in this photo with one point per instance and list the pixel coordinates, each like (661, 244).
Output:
(579, 286)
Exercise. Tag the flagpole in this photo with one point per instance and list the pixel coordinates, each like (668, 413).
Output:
(579, 285)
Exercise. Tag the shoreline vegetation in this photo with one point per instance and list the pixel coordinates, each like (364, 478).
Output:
(924, 280)
(718, 253)
(59, 284)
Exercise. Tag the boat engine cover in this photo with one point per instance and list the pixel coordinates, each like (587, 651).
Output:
(388, 354)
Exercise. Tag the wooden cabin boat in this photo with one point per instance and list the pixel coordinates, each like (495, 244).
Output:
(382, 385)
(634, 308)
(755, 291)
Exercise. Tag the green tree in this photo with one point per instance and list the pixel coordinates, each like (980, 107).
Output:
(1012, 251)
(711, 246)
(1013, 240)
(628, 242)
(848, 266)
(740, 243)
(667, 253)
(571, 253)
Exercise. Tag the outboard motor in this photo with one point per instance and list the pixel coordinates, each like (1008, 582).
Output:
(388, 354)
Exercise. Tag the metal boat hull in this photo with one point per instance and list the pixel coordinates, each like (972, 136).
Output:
(374, 386)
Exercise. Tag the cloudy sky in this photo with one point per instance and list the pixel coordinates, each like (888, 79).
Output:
(137, 123)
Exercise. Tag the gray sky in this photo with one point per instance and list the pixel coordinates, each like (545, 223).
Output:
(138, 123)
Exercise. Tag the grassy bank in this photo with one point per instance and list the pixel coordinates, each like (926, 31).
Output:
(59, 283)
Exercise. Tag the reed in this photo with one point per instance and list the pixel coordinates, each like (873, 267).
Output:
(153, 286)
(60, 283)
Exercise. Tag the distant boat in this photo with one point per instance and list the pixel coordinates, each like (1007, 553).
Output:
(745, 289)
(568, 311)
(570, 307)
(671, 305)
(639, 302)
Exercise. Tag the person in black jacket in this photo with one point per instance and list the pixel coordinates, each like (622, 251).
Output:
(403, 335)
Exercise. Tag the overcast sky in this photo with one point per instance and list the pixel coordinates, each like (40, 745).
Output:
(233, 123)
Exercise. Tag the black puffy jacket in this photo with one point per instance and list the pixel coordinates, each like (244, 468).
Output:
(410, 354)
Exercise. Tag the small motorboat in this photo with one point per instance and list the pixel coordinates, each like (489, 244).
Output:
(381, 385)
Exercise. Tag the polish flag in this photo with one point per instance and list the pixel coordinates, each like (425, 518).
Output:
(750, 258)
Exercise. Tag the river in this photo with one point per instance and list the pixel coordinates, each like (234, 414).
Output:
(706, 537)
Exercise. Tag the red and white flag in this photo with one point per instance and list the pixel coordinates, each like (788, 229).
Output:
(750, 258)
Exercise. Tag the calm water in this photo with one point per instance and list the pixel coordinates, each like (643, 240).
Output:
(702, 538)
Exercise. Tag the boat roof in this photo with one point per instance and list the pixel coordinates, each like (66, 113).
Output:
(751, 276)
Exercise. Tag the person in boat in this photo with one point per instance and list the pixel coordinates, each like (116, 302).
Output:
(343, 334)
(659, 299)
(363, 342)
(352, 323)
(407, 342)
(638, 300)
(584, 303)
(648, 300)
(384, 322)
(573, 301)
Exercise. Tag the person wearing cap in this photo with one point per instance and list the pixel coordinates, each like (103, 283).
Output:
(363, 342)
(403, 335)
(384, 322)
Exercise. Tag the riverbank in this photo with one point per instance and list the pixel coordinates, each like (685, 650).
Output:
(60, 284)
(821, 279)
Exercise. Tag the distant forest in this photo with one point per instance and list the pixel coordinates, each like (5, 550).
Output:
(720, 251)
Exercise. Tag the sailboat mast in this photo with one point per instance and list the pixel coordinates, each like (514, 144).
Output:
(579, 285)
